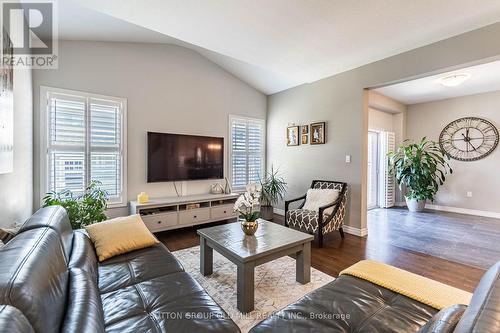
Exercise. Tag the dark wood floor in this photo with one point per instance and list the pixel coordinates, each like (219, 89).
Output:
(338, 254)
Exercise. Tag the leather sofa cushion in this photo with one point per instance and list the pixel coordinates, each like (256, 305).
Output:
(349, 304)
(164, 304)
(12, 320)
(483, 313)
(445, 320)
(84, 311)
(54, 217)
(34, 277)
(137, 266)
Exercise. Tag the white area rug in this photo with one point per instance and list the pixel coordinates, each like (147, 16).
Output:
(275, 285)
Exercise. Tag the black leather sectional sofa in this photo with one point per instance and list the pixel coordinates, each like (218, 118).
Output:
(51, 281)
(349, 304)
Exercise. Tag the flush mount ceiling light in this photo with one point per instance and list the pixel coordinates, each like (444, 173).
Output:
(454, 79)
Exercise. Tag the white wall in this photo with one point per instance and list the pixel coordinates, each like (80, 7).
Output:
(16, 188)
(169, 89)
(481, 177)
(341, 101)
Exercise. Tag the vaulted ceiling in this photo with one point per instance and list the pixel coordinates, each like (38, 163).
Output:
(278, 44)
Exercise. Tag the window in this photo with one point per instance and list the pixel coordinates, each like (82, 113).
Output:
(84, 140)
(246, 150)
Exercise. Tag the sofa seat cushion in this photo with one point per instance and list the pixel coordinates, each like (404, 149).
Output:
(349, 304)
(137, 266)
(165, 304)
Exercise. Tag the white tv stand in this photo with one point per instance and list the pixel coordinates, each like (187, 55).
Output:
(173, 213)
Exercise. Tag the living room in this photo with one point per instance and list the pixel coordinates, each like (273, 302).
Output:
(148, 128)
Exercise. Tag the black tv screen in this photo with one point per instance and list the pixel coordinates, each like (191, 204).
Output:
(174, 157)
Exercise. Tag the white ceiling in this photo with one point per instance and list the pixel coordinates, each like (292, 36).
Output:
(483, 78)
(278, 44)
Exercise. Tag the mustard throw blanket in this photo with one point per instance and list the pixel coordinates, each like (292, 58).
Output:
(419, 288)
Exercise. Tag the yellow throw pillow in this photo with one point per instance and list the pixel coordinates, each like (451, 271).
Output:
(120, 235)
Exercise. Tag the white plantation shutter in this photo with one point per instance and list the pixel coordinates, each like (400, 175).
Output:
(246, 150)
(84, 142)
(388, 185)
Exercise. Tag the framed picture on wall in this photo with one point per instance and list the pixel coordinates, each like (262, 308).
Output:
(318, 135)
(6, 108)
(304, 129)
(305, 139)
(292, 136)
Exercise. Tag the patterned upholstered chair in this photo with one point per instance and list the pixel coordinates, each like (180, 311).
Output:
(319, 223)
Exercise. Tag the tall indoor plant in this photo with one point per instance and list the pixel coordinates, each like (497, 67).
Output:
(84, 209)
(421, 167)
(273, 190)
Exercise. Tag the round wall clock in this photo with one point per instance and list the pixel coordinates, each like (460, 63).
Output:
(469, 139)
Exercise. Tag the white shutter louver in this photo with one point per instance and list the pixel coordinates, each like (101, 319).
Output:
(84, 142)
(388, 188)
(247, 162)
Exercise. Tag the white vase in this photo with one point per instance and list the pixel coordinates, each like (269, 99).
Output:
(415, 205)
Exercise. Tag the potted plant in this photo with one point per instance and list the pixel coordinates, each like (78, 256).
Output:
(247, 205)
(84, 209)
(421, 167)
(273, 190)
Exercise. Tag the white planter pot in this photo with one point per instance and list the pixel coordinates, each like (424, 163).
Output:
(415, 205)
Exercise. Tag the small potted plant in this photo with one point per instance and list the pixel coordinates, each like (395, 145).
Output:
(273, 190)
(421, 167)
(247, 205)
(84, 209)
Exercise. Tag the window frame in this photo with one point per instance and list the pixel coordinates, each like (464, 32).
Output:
(263, 147)
(44, 139)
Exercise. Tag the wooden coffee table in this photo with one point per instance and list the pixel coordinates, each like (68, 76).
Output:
(270, 242)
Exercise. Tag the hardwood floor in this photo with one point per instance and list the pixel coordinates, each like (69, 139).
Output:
(338, 254)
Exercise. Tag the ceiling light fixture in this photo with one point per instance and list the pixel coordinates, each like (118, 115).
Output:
(454, 79)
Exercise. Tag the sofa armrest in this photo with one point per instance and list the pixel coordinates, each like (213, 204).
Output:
(445, 320)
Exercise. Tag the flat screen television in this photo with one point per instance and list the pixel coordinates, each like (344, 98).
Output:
(173, 157)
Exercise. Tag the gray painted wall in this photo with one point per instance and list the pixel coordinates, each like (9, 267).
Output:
(480, 177)
(169, 89)
(341, 101)
(16, 188)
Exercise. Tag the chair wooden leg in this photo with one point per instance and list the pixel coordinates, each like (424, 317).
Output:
(320, 239)
(341, 232)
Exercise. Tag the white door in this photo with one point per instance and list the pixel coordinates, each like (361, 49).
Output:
(372, 170)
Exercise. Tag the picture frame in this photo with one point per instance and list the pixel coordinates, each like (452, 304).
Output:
(304, 139)
(318, 133)
(304, 129)
(6, 108)
(292, 136)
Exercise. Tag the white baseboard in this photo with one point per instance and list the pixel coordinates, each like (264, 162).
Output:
(463, 211)
(355, 231)
(348, 229)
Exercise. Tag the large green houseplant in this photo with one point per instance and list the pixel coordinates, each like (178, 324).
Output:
(84, 209)
(273, 190)
(421, 167)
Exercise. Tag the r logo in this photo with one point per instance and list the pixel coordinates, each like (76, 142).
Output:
(30, 27)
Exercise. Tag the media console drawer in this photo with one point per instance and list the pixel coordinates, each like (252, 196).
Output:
(193, 216)
(223, 212)
(160, 221)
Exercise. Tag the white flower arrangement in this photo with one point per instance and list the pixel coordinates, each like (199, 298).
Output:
(248, 203)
